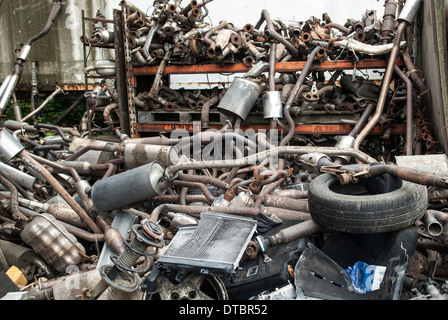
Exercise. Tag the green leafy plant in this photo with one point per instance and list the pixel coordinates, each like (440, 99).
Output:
(50, 112)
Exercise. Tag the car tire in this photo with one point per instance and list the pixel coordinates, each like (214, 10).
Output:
(338, 207)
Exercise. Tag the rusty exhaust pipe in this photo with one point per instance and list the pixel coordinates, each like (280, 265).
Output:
(406, 17)
(272, 33)
(12, 79)
(409, 109)
(384, 88)
(293, 233)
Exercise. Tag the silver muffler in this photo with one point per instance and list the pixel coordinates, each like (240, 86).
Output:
(9, 146)
(409, 11)
(129, 187)
(272, 105)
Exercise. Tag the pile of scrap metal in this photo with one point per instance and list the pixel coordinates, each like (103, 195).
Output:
(222, 214)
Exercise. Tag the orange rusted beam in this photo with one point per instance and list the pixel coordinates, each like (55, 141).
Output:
(331, 65)
(50, 87)
(193, 69)
(329, 129)
(292, 66)
(340, 129)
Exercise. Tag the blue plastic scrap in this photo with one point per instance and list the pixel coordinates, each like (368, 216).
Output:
(365, 277)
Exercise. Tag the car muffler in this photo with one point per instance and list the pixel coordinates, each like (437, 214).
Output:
(9, 146)
(242, 93)
(130, 187)
(240, 98)
(272, 105)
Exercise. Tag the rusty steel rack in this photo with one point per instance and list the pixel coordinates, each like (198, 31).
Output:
(88, 44)
(155, 124)
(138, 124)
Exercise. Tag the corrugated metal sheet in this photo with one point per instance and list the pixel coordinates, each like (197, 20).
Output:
(59, 54)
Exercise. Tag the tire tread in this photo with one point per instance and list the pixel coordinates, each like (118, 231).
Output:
(365, 214)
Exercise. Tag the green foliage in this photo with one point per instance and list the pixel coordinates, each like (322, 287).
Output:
(50, 112)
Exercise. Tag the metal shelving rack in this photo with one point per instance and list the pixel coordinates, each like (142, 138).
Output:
(88, 44)
(133, 75)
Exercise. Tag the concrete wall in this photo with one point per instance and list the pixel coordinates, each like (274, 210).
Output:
(59, 54)
(434, 67)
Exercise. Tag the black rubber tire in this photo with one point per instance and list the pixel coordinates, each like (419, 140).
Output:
(340, 209)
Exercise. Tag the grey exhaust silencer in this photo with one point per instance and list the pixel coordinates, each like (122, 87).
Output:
(138, 154)
(239, 98)
(242, 93)
(272, 105)
(127, 188)
(9, 146)
(409, 11)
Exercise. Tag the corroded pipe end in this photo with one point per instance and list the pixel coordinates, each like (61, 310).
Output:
(114, 240)
(321, 53)
(360, 35)
(211, 52)
(249, 61)
(172, 8)
(248, 28)
(235, 39)
(196, 12)
(306, 36)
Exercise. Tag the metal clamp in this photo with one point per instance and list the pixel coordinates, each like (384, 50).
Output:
(267, 259)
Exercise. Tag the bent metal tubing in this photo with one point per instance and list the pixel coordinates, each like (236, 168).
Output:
(408, 174)
(271, 32)
(411, 175)
(409, 109)
(384, 88)
(361, 47)
(292, 96)
(64, 194)
(207, 38)
(171, 172)
(49, 98)
(12, 79)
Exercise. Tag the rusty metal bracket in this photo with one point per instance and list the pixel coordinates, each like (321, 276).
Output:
(129, 73)
(346, 176)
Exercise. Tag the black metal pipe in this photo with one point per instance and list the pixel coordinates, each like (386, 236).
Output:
(414, 74)
(365, 115)
(53, 127)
